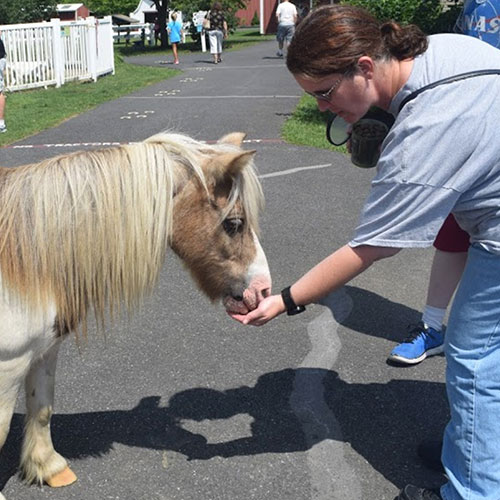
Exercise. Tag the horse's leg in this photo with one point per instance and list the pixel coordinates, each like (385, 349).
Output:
(39, 461)
(12, 372)
(9, 388)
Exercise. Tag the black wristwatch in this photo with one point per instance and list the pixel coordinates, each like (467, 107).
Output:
(291, 307)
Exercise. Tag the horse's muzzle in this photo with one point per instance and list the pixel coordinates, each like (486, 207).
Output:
(259, 289)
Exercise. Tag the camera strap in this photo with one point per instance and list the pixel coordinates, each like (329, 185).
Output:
(451, 79)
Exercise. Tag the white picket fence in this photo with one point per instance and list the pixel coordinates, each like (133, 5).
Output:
(55, 52)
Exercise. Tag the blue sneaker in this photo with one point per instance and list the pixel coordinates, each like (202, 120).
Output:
(421, 342)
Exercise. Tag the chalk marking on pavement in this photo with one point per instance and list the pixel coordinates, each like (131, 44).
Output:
(212, 97)
(136, 114)
(191, 80)
(94, 144)
(331, 476)
(294, 170)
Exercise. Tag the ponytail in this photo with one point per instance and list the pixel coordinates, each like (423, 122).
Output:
(403, 42)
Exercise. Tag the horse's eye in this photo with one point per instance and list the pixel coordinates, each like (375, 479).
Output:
(233, 226)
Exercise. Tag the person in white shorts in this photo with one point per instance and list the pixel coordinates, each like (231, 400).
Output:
(286, 15)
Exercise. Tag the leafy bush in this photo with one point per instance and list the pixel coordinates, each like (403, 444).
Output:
(430, 15)
(26, 11)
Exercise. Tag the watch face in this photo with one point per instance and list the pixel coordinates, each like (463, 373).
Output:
(296, 310)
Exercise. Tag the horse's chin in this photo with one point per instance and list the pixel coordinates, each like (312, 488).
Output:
(235, 306)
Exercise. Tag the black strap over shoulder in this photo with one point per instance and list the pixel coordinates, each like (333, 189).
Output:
(456, 78)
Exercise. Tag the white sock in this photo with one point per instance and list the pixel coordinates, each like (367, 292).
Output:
(2, 123)
(433, 317)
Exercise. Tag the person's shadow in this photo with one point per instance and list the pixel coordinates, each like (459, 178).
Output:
(383, 422)
(378, 316)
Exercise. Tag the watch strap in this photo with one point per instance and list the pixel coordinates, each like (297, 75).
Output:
(291, 307)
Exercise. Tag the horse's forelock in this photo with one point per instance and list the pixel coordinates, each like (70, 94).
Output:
(246, 186)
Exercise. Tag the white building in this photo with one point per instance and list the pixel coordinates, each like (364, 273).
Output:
(146, 12)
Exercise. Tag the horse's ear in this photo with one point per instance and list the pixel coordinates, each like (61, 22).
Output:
(235, 138)
(229, 163)
(235, 162)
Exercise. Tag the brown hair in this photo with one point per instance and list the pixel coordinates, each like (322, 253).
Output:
(331, 39)
(216, 6)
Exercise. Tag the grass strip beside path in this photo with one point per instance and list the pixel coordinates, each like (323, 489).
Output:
(307, 126)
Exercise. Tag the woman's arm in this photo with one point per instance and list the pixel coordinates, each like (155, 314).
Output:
(329, 275)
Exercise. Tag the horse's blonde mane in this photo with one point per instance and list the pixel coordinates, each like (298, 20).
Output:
(90, 229)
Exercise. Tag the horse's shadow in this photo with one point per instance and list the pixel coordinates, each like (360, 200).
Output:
(382, 422)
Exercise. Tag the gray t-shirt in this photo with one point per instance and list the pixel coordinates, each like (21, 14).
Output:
(442, 154)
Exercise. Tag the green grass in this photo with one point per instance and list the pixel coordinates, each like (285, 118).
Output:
(307, 126)
(31, 111)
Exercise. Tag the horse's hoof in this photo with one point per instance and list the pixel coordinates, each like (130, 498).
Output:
(63, 478)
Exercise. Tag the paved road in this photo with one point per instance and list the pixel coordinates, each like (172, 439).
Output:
(182, 403)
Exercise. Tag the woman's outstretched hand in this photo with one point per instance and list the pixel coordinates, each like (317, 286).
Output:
(268, 309)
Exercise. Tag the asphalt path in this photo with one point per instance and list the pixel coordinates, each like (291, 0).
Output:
(180, 402)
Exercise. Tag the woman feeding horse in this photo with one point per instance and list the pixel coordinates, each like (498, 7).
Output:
(440, 156)
(87, 232)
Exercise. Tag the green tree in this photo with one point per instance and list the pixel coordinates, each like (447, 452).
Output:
(430, 15)
(162, 10)
(108, 7)
(26, 11)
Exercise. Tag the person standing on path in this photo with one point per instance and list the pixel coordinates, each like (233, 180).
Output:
(286, 16)
(428, 167)
(426, 338)
(479, 19)
(217, 31)
(174, 28)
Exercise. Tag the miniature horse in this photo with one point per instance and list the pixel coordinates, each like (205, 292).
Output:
(87, 233)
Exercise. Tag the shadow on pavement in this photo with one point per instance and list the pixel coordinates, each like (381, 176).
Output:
(379, 317)
(383, 423)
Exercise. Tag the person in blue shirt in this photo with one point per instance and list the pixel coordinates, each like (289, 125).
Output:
(174, 28)
(481, 19)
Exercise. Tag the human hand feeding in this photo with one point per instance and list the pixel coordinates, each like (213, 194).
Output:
(267, 309)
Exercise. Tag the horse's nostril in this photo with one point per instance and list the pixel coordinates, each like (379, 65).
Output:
(266, 292)
(239, 298)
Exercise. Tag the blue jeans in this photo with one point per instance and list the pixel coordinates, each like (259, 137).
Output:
(471, 447)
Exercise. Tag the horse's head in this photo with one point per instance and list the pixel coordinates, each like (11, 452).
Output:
(215, 227)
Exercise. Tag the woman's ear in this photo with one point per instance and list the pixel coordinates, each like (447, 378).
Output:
(366, 66)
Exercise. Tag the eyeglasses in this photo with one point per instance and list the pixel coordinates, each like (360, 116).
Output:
(326, 96)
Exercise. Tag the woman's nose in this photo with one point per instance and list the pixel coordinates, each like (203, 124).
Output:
(322, 104)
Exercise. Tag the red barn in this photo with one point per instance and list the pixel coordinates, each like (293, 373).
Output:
(72, 11)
